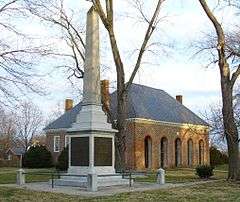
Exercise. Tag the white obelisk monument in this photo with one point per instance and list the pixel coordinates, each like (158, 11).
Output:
(91, 149)
(91, 131)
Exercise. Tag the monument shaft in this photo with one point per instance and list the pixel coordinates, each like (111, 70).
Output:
(91, 81)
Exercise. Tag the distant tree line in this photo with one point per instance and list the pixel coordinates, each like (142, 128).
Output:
(217, 157)
(19, 128)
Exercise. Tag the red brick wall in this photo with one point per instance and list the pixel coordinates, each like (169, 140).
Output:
(138, 131)
(14, 162)
(130, 146)
(50, 143)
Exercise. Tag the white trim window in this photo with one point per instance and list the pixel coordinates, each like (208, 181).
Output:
(56, 143)
(66, 140)
(9, 157)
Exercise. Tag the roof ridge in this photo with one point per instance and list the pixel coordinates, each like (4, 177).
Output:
(142, 85)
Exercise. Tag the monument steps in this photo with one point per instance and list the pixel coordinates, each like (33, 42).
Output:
(69, 182)
(74, 178)
(82, 181)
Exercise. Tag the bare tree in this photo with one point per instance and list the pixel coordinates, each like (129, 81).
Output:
(17, 55)
(55, 113)
(105, 10)
(68, 24)
(29, 120)
(235, 3)
(228, 60)
(54, 13)
(215, 121)
(7, 129)
(214, 118)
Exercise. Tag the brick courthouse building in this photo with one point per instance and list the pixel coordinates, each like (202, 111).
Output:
(161, 131)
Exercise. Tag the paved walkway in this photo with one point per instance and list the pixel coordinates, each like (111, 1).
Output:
(102, 191)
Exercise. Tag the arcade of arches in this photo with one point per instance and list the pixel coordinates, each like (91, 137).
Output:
(151, 146)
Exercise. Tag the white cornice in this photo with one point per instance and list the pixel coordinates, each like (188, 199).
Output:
(181, 125)
(56, 130)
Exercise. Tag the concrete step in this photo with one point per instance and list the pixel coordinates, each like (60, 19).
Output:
(82, 181)
(74, 178)
(107, 183)
(72, 183)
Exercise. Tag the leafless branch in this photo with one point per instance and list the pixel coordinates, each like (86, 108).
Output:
(55, 14)
(149, 32)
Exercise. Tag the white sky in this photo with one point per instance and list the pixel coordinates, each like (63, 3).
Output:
(175, 73)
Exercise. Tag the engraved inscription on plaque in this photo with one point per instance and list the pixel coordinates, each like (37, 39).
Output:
(80, 151)
(102, 151)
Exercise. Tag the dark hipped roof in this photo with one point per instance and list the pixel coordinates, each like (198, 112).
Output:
(143, 102)
(17, 150)
(66, 119)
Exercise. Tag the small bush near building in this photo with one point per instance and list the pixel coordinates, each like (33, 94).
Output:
(62, 163)
(37, 157)
(217, 157)
(204, 171)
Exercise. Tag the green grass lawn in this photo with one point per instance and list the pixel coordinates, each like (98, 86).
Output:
(7, 169)
(181, 176)
(8, 175)
(223, 167)
(214, 191)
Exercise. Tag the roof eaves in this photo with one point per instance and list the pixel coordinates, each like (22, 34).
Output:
(56, 130)
(167, 123)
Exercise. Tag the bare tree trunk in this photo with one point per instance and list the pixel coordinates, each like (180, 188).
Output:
(230, 130)
(121, 123)
(227, 83)
(25, 144)
(121, 98)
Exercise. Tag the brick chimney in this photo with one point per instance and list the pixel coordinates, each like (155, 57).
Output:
(179, 98)
(105, 95)
(68, 104)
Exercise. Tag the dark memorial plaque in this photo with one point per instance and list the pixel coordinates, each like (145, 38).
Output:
(80, 151)
(102, 151)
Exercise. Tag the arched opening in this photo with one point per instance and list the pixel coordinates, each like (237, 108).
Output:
(178, 152)
(190, 152)
(201, 152)
(148, 152)
(164, 152)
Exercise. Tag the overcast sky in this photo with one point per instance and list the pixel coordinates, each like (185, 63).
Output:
(176, 72)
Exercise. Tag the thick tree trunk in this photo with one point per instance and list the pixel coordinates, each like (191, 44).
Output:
(121, 99)
(121, 125)
(230, 130)
(227, 83)
(25, 144)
